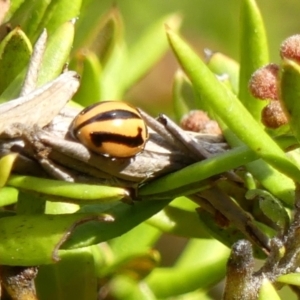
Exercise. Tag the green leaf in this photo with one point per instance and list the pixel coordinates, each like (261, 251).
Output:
(55, 208)
(148, 50)
(89, 91)
(59, 12)
(99, 33)
(135, 61)
(229, 109)
(291, 278)
(253, 53)
(57, 52)
(28, 15)
(68, 191)
(270, 207)
(202, 264)
(29, 204)
(126, 288)
(173, 220)
(277, 183)
(128, 244)
(15, 51)
(187, 180)
(113, 73)
(8, 196)
(274, 181)
(267, 291)
(125, 216)
(54, 60)
(6, 164)
(137, 265)
(14, 5)
(290, 94)
(63, 280)
(183, 95)
(221, 64)
(29, 240)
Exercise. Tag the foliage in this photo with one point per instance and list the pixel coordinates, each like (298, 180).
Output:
(87, 240)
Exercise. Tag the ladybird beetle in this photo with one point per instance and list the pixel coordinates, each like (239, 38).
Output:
(111, 128)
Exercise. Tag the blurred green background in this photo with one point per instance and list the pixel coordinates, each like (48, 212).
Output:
(214, 24)
(206, 24)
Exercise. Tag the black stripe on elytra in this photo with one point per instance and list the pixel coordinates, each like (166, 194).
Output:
(109, 115)
(98, 138)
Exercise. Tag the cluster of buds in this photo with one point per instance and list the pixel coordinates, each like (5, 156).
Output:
(264, 84)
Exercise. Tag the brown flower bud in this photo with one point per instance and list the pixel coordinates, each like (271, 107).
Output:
(273, 116)
(198, 121)
(263, 82)
(290, 48)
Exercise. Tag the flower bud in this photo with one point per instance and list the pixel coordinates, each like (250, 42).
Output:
(290, 48)
(198, 121)
(263, 82)
(273, 116)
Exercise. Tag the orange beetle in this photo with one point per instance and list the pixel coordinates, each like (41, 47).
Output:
(111, 128)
